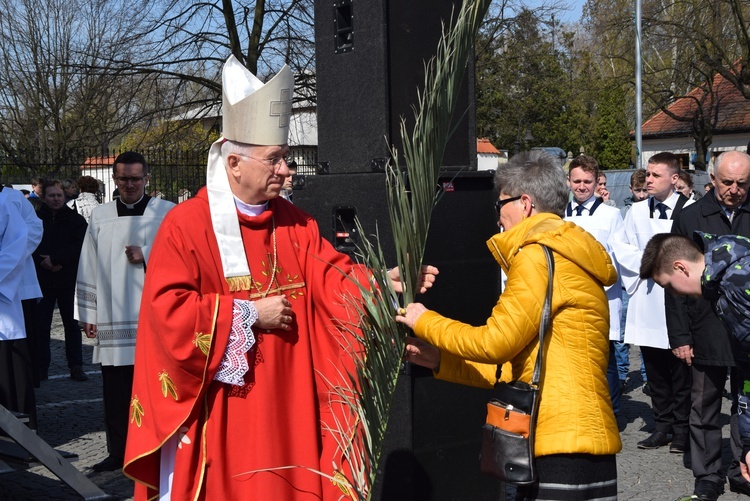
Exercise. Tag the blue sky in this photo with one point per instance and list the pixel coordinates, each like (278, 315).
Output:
(574, 15)
(570, 16)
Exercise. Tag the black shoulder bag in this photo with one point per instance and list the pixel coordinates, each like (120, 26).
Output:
(508, 435)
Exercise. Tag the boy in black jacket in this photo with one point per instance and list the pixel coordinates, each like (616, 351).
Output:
(717, 268)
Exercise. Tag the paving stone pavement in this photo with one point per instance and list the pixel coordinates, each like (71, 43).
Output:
(71, 419)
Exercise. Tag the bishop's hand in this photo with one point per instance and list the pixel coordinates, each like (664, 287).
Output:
(427, 276)
(274, 313)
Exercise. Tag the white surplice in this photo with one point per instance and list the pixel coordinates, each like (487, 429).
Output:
(108, 286)
(21, 232)
(646, 323)
(604, 225)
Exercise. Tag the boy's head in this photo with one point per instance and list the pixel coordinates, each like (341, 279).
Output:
(638, 185)
(662, 173)
(675, 262)
(582, 177)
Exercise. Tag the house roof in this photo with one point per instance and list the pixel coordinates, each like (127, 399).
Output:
(94, 162)
(728, 108)
(485, 146)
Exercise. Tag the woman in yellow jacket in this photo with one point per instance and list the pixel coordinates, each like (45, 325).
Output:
(577, 436)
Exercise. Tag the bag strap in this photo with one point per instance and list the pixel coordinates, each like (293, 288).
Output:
(544, 324)
(546, 316)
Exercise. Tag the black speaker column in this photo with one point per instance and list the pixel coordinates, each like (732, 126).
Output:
(370, 62)
(369, 59)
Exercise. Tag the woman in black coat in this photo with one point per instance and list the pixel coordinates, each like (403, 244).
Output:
(56, 261)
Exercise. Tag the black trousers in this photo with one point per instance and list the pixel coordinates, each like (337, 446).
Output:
(16, 379)
(29, 318)
(669, 382)
(118, 384)
(705, 425)
(64, 297)
(705, 421)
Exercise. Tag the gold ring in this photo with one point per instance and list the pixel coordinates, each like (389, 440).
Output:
(402, 311)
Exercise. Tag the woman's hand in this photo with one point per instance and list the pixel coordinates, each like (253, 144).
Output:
(274, 313)
(409, 314)
(422, 353)
(427, 276)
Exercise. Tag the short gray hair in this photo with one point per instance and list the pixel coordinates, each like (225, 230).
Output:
(538, 175)
(228, 147)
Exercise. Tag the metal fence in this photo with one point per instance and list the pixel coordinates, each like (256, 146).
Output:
(175, 175)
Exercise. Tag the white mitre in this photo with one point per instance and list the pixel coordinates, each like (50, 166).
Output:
(253, 113)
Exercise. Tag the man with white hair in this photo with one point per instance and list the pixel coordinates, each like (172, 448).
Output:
(241, 335)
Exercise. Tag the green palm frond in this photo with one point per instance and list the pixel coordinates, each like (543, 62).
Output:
(411, 195)
(411, 208)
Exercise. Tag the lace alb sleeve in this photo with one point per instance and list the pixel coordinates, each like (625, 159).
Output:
(241, 338)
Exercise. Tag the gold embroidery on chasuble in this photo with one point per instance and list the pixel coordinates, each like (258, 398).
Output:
(136, 411)
(168, 388)
(277, 282)
(340, 481)
(202, 342)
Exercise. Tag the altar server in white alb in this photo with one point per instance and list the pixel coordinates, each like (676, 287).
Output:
(20, 233)
(604, 223)
(110, 280)
(646, 324)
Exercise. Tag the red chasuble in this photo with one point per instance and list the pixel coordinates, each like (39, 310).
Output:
(236, 442)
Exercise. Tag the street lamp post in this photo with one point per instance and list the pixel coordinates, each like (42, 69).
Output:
(527, 138)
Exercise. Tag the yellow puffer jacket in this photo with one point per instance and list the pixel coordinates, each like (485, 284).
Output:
(575, 412)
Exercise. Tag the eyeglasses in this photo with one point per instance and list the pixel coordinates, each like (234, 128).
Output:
(273, 162)
(499, 203)
(126, 179)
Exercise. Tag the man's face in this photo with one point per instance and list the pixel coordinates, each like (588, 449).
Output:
(659, 181)
(259, 177)
(582, 184)
(131, 181)
(731, 180)
(288, 180)
(640, 192)
(54, 198)
(680, 283)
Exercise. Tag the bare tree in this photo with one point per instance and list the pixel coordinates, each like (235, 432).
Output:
(188, 42)
(684, 45)
(58, 90)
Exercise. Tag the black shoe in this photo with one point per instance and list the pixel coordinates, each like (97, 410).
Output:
(77, 374)
(647, 389)
(705, 490)
(110, 464)
(656, 440)
(741, 487)
(680, 443)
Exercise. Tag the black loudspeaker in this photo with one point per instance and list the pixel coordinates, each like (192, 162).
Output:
(433, 440)
(370, 62)
(334, 200)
